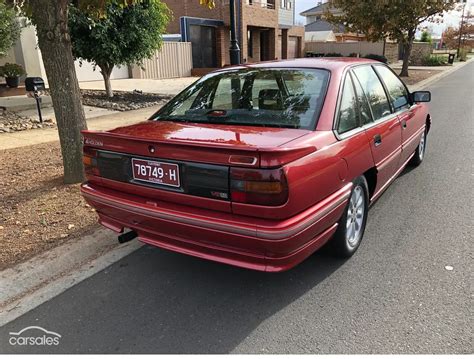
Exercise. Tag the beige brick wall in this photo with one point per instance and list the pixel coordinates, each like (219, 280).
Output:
(391, 52)
(298, 31)
(419, 51)
(257, 16)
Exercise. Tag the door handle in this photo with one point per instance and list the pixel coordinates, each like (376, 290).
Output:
(404, 123)
(377, 140)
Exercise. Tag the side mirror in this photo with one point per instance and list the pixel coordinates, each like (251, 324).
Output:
(421, 96)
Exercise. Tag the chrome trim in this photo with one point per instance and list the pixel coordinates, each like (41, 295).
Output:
(258, 233)
(254, 160)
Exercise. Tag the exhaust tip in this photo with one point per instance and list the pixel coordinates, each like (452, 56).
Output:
(127, 237)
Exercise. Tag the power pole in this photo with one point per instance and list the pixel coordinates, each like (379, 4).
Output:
(460, 28)
(234, 49)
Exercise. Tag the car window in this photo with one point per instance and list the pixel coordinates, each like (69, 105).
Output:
(266, 83)
(347, 108)
(374, 91)
(281, 97)
(222, 99)
(364, 107)
(396, 90)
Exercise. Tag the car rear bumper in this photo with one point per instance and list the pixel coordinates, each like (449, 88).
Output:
(248, 242)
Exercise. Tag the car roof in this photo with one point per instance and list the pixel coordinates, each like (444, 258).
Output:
(329, 63)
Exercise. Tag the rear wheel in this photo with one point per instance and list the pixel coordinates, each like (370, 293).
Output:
(420, 151)
(352, 223)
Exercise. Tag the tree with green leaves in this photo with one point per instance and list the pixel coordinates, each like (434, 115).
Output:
(426, 36)
(50, 18)
(395, 19)
(9, 28)
(123, 36)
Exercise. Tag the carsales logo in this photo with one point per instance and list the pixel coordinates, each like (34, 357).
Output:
(34, 336)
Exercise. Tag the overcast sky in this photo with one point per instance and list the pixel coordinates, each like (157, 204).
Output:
(450, 19)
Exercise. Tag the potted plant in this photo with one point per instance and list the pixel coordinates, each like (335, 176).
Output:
(12, 73)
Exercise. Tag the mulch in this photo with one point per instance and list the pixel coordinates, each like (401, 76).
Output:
(37, 210)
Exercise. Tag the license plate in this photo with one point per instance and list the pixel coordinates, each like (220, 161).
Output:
(156, 172)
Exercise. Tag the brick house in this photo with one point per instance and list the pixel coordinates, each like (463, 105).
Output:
(265, 30)
(318, 29)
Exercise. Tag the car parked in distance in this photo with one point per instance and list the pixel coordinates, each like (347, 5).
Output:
(260, 165)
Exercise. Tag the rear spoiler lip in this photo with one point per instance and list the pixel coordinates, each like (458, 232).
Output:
(269, 157)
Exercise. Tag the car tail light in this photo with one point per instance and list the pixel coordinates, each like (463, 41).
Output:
(89, 160)
(257, 186)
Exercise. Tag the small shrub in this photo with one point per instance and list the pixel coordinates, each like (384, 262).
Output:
(12, 70)
(434, 60)
(314, 54)
(376, 57)
(353, 54)
(333, 54)
(463, 54)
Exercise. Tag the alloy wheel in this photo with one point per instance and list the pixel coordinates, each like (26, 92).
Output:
(355, 217)
(421, 148)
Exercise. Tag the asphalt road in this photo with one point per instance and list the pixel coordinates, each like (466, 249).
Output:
(394, 296)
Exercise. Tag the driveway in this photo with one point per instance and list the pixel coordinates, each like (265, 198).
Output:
(407, 290)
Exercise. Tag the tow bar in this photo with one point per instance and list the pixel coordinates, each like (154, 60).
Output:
(127, 237)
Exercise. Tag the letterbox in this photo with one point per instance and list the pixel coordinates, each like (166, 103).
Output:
(34, 84)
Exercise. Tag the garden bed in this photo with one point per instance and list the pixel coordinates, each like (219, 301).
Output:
(38, 211)
(123, 100)
(12, 122)
(416, 76)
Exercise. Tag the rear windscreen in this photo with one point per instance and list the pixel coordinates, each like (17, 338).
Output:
(256, 97)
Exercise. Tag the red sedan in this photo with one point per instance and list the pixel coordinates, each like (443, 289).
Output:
(260, 165)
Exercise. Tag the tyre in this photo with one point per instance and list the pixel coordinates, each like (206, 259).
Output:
(420, 151)
(351, 227)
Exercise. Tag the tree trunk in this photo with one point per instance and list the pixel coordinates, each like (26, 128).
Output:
(106, 72)
(407, 52)
(50, 18)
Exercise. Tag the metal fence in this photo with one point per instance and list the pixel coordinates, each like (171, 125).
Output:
(174, 59)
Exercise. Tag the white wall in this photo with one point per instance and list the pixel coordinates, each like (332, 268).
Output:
(27, 53)
(86, 72)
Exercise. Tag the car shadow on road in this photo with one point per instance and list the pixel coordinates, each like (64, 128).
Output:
(155, 301)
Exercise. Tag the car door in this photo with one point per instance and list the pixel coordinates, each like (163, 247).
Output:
(382, 128)
(408, 115)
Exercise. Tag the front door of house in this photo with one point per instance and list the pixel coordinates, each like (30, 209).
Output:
(264, 45)
(203, 40)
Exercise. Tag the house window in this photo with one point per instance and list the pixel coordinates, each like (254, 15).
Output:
(249, 43)
(285, 4)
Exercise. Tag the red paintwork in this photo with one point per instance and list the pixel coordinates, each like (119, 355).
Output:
(319, 168)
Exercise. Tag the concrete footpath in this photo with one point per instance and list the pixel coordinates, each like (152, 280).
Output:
(164, 86)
